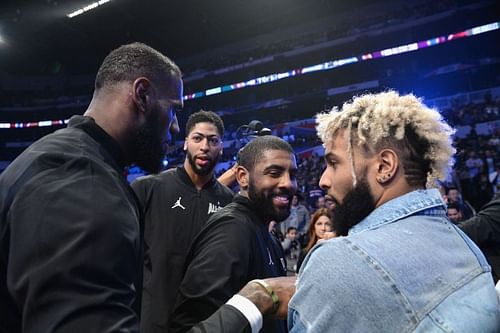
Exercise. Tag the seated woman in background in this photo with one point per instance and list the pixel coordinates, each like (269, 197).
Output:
(320, 228)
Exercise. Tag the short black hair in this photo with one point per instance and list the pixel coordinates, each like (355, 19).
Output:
(128, 62)
(453, 205)
(290, 228)
(253, 151)
(203, 116)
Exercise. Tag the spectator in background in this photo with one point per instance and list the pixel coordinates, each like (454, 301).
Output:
(320, 202)
(291, 246)
(454, 213)
(320, 228)
(275, 232)
(298, 218)
(484, 190)
(494, 178)
(474, 166)
(314, 193)
(489, 161)
(455, 197)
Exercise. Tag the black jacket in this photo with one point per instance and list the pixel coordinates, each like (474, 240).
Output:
(232, 249)
(174, 213)
(69, 236)
(70, 239)
(484, 230)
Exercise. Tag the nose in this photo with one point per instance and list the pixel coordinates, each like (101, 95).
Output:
(324, 181)
(205, 145)
(286, 182)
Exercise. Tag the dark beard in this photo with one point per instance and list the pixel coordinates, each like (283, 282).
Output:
(357, 205)
(263, 202)
(203, 171)
(148, 146)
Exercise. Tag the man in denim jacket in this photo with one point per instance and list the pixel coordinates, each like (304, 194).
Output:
(400, 265)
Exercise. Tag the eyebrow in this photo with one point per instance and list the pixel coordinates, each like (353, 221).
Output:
(206, 136)
(279, 167)
(331, 155)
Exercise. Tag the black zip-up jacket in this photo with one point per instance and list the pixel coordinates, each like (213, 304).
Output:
(174, 211)
(234, 248)
(69, 236)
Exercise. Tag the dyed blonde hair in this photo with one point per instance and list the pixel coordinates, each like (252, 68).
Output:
(418, 134)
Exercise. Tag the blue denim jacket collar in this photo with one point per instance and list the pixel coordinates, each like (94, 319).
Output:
(419, 201)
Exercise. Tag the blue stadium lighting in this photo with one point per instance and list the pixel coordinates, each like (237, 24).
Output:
(342, 62)
(305, 70)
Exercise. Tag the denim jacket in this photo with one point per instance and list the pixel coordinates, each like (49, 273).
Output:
(404, 268)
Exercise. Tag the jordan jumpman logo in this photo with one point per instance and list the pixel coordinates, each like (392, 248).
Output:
(178, 204)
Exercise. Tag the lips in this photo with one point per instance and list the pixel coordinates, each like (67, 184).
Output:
(202, 160)
(281, 200)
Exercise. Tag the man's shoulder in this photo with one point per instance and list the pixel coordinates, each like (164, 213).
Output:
(154, 179)
(223, 190)
(231, 216)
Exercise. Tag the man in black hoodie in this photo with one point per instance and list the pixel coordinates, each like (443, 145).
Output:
(235, 246)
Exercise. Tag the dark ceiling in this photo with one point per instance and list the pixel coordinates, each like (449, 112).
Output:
(40, 39)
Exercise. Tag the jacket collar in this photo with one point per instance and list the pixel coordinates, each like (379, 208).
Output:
(419, 202)
(89, 126)
(183, 175)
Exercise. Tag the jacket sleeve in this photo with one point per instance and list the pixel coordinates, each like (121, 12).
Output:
(218, 268)
(225, 320)
(74, 250)
(485, 226)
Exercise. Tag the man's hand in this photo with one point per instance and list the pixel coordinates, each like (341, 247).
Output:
(284, 288)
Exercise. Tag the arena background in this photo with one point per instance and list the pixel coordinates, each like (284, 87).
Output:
(276, 61)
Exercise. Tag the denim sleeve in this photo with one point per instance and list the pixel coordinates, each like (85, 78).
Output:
(295, 325)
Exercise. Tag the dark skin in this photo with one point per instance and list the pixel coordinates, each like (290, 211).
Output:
(284, 288)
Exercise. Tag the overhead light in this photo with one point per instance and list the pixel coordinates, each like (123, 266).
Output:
(87, 8)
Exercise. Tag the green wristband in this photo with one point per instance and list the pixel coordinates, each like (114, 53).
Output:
(270, 291)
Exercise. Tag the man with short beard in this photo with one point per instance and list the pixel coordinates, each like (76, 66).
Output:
(401, 266)
(235, 246)
(70, 248)
(176, 205)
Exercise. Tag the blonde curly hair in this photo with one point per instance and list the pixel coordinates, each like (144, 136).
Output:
(419, 135)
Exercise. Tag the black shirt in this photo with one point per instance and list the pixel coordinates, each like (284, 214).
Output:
(232, 249)
(69, 235)
(174, 211)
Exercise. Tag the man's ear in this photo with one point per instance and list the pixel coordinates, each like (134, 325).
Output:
(387, 166)
(242, 177)
(141, 93)
(185, 144)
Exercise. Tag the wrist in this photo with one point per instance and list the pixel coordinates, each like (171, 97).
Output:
(270, 293)
(259, 296)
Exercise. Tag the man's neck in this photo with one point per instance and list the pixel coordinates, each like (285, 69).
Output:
(198, 180)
